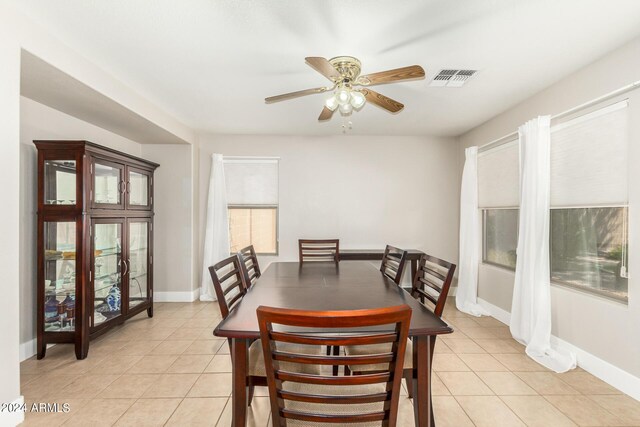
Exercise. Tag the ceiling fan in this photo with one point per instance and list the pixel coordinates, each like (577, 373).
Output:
(344, 74)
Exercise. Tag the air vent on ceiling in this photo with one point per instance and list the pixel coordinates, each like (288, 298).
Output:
(452, 78)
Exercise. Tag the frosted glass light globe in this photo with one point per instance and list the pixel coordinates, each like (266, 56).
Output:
(346, 108)
(343, 96)
(357, 100)
(331, 103)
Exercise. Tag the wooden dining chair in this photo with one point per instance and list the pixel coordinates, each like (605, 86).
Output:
(250, 267)
(229, 284)
(431, 287)
(300, 399)
(392, 264)
(432, 282)
(319, 250)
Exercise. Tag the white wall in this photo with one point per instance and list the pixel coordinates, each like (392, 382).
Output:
(173, 223)
(9, 217)
(366, 190)
(605, 329)
(17, 33)
(38, 121)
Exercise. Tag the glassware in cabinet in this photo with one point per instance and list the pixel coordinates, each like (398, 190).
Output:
(59, 276)
(108, 270)
(138, 262)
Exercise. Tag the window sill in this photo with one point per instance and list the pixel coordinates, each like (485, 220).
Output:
(591, 292)
(576, 288)
(499, 266)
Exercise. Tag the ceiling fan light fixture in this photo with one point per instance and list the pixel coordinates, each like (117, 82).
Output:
(357, 99)
(345, 92)
(346, 109)
(331, 103)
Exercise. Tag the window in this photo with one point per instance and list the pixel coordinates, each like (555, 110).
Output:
(589, 198)
(252, 198)
(500, 230)
(589, 202)
(589, 249)
(498, 196)
(255, 226)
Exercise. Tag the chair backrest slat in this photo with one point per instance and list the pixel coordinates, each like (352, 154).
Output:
(422, 294)
(228, 282)
(354, 360)
(431, 284)
(432, 281)
(319, 250)
(297, 394)
(301, 397)
(249, 265)
(230, 274)
(393, 263)
(340, 340)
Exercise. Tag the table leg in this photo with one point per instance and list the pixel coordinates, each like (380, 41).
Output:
(422, 357)
(239, 398)
(414, 269)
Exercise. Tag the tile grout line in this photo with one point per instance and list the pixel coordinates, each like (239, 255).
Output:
(173, 412)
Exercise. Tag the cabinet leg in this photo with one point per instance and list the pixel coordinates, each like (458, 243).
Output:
(42, 349)
(150, 311)
(82, 350)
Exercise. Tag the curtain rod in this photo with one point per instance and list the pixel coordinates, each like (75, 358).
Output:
(504, 139)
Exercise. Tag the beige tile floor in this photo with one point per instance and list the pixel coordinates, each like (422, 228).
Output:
(171, 370)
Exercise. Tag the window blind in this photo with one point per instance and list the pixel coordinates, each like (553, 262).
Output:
(589, 159)
(499, 177)
(251, 181)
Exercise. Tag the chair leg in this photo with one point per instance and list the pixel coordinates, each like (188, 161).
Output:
(328, 350)
(408, 377)
(336, 352)
(347, 371)
(250, 397)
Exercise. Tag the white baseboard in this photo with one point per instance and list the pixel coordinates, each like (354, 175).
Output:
(496, 312)
(188, 296)
(28, 349)
(13, 418)
(612, 375)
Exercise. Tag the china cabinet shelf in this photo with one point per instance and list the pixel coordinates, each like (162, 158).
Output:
(95, 241)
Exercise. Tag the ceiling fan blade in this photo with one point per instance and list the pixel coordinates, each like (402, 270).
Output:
(324, 67)
(326, 114)
(404, 73)
(382, 101)
(297, 94)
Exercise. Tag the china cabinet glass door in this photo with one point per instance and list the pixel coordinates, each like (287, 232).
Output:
(108, 184)
(60, 182)
(59, 276)
(138, 262)
(138, 189)
(108, 270)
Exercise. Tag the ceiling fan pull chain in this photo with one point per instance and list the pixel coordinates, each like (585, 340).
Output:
(347, 125)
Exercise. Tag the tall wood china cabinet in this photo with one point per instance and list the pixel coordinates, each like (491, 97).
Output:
(95, 241)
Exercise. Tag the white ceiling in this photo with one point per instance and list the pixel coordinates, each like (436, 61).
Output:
(211, 63)
(48, 85)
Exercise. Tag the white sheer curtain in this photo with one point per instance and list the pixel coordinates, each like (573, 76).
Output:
(467, 292)
(531, 305)
(216, 240)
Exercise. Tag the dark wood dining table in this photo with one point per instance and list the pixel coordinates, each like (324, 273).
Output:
(329, 286)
